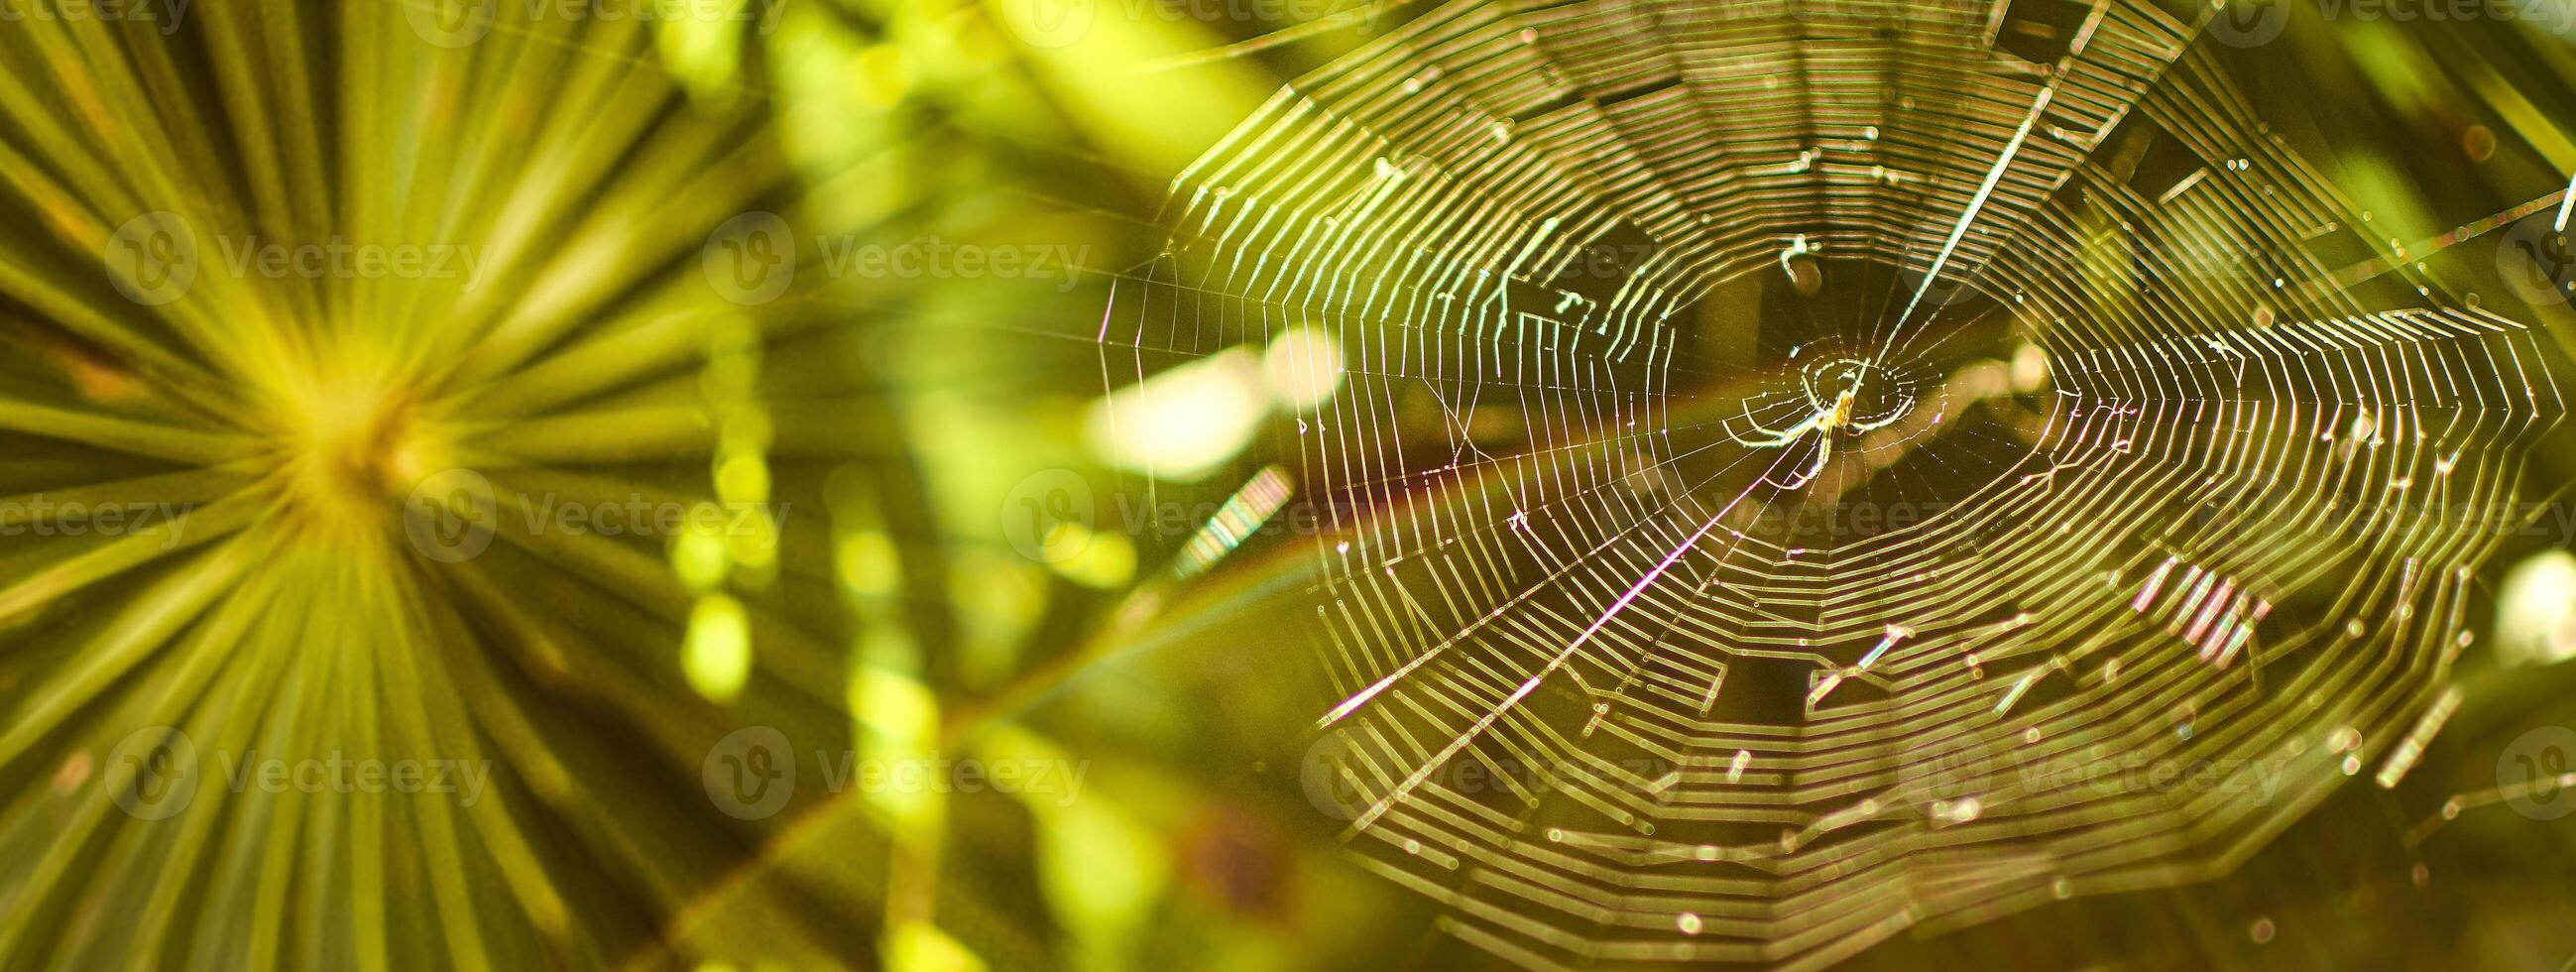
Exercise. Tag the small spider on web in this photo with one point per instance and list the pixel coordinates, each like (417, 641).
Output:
(1827, 419)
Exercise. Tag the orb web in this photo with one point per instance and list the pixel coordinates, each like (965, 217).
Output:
(1808, 471)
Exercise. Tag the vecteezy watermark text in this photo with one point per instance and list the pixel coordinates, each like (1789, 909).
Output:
(340, 258)
(158, 772)
(753, 773)
(1949, 778)
(1041, 507)
(156, 258)
(458, 23)
(452, 516)
(39, 516)
(754, 257)
(2250, 23)
(164, 15)
(1336, 767)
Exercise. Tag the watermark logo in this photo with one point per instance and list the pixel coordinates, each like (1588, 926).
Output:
(751, 258)
(449, 516)
(1049, 24)
(2535, 773)
(2248, 23)
(2536, 261)
(751, 773)
(450, 23)
(1330, 775)
(152, 773)
(152, 259)
(1042, 506)
(1950, 768)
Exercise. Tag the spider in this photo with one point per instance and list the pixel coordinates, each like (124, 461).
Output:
(1825, 421)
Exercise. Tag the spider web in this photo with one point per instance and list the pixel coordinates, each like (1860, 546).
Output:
(1811, 471)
